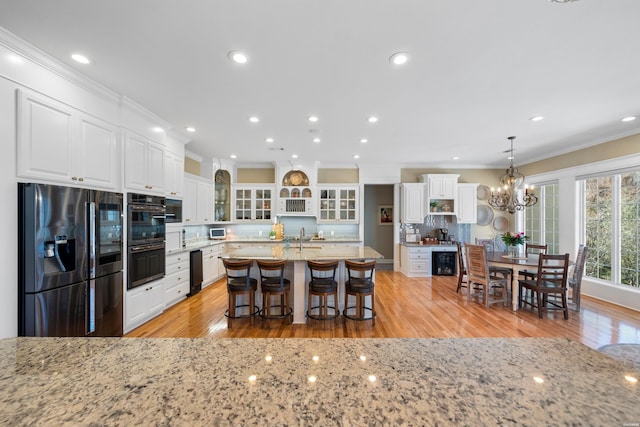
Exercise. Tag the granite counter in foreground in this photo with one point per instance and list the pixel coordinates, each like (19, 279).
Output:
(354, 382)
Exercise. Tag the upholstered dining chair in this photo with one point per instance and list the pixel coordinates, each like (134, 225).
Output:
(550, 281)
(479, 278)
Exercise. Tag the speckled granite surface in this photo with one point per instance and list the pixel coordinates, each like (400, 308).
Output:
(358, 382)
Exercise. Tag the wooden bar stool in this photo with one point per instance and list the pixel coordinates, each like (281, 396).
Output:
(239, 282)
(273, 283)
(323, 285)
(360, 284)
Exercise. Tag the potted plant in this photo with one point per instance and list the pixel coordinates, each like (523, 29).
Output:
(434, 205)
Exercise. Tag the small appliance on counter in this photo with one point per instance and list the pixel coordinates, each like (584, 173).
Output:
(217, 233)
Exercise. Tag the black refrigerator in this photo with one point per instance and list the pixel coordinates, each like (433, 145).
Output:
(70, 280)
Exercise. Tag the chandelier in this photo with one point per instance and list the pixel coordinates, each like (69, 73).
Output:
(505, 197)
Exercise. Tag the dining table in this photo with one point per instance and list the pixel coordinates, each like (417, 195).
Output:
(515, 263)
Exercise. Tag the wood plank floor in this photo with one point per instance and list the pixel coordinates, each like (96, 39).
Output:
(407, 308)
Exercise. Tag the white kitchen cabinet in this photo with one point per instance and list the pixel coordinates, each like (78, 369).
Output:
(211, 270)
(253, 203)
(176, 281)
(61, 144)
(174, 175)
(144, 164)
(338, 204)
(467, 206)
(197, 202)
(204, 202)
(143, 303)
(415, 261)
(412, 200)
(442, 193)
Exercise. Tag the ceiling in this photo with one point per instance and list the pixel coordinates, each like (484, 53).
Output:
(478, 70)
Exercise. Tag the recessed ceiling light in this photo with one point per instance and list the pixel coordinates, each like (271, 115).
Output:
(316, 140)
(536, 118)
(80, 58)
(269, 140)
(313, 119)
(356, 156)
(629, 119)
(157, 129)
(372, 119)
(399, 58)
(238, 57)
(364, 140)
(456, 158)
(233, 156)
(254, 119)
(294, 156)
(190, 129)
(14, 59)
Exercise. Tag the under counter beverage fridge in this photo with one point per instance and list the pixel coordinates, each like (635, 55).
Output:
(70, 279)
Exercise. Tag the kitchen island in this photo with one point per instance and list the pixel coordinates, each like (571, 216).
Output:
(297, 271)
(355, 382)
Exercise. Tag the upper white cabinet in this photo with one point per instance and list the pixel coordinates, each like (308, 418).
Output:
(412, 200)
(253, 202)
(174, 175)
(338, 204)
(442, 193)
(61, 144)
(467, 204)
(197, 203)
(144, 164)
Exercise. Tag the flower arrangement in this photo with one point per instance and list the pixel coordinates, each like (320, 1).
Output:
(514, 239)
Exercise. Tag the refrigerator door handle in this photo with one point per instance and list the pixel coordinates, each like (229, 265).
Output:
(91, 221)
(91, 319)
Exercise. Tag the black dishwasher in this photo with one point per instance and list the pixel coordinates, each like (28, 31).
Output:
(195, 272)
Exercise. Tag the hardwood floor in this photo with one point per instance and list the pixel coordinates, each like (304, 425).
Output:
(407, 308)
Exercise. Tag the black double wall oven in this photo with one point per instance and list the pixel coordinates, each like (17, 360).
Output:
(146, 239)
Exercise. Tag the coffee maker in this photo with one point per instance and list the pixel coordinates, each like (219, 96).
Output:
(444, 235)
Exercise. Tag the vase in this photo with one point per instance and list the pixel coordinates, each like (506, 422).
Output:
(512, 250)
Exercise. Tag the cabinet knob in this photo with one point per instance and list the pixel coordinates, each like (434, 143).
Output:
(80, 179)
(74, 178)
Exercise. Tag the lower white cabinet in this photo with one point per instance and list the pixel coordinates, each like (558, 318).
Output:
(415, 261)
(143, 303)
(211, 264)
(176, 281)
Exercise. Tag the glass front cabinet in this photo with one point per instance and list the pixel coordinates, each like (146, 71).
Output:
(338, 204)
(253, 203)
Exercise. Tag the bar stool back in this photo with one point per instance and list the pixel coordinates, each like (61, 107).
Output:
(323, 285)
(273, 283)
(239, 282)
(360, 284)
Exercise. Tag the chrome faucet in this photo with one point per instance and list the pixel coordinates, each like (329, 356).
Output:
(301, 236)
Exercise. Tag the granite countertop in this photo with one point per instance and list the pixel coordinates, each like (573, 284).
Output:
(204, 243)
(353, 382)
(310, 251)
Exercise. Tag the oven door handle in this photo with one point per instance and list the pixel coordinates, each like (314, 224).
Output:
(146, 248)
(148, 208)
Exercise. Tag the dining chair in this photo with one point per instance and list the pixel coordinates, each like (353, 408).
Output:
(499, 272)
(480, 279)
(550, 281)
(575, 280)
(531, 248)
(462, 272)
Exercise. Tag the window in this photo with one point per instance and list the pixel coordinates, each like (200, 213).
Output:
(541, 220)
(611, 221)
